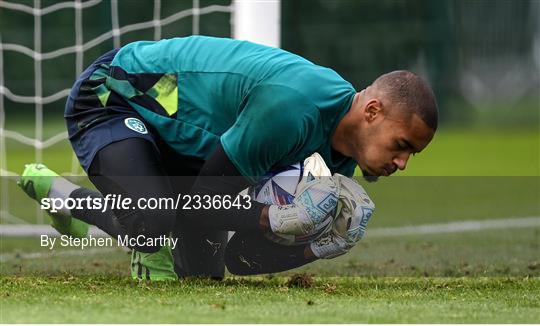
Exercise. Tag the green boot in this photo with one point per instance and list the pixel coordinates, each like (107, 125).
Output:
(158, 266)
(36, 181)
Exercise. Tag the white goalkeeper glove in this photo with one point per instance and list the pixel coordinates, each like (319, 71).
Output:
(314, 204)
(349, 226)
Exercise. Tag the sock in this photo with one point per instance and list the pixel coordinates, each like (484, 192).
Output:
(105, 221)
(62, 188)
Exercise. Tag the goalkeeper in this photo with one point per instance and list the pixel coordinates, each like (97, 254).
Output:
(225, 111)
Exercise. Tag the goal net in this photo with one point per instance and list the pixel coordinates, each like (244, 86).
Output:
(45, 45)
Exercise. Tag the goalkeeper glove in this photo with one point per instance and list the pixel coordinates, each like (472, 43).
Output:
(314, 203)
(350, 224)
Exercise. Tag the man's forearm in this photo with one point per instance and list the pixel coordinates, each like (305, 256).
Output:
(251, 254)
(219, 177)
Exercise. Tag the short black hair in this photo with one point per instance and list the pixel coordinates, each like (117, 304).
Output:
(410, 92)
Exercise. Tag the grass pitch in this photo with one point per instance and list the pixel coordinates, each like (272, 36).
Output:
(270, 300)
(490, 276)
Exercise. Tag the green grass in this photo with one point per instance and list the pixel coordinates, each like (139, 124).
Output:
(479, 153)
(492, 276)
(69, 299)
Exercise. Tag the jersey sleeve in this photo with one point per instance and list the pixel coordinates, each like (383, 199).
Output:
(276, 122)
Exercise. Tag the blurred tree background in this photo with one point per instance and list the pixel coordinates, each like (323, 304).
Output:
(481, 56)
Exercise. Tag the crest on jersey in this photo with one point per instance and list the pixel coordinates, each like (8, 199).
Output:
(136, 125)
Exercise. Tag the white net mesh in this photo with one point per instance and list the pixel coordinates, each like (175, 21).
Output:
(24, 140)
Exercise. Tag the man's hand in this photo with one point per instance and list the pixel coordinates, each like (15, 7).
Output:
(314, 204)
(349, 225)
(329, 246)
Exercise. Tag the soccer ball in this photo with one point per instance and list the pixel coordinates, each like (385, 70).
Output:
(278, 188)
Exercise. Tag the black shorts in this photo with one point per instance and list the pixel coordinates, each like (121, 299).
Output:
(91, 124)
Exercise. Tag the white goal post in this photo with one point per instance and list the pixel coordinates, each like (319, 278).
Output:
(258, 21)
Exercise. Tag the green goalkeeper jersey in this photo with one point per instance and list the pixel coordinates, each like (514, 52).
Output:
(268, 107)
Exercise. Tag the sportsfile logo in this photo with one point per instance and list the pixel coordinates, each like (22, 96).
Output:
(121, 202)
